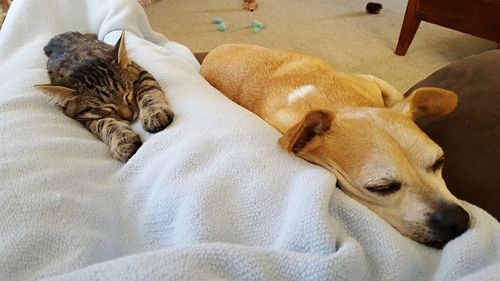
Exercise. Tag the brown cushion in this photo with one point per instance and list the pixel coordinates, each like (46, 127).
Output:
(470, 136)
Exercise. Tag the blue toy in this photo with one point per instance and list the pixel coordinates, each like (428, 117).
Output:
(257, 26)
(221, 24)
(222, 27)
(217, 21)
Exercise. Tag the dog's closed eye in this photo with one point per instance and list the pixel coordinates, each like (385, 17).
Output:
(438, 164)
(385, 189)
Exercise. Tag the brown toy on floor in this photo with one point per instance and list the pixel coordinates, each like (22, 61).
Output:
(250, 5)
(373, 8)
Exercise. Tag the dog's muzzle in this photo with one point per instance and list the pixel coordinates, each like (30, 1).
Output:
(447, 222)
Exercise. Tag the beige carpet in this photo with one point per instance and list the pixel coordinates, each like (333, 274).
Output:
(338, 31)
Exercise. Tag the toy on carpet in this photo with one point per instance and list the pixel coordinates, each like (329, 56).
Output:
(217, 20)
(221, 25)
(257, 26)
(250, 5)
(373, 8)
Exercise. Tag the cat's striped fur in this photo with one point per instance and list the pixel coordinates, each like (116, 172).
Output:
(98, 85)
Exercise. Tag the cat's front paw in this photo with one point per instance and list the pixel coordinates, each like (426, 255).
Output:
(156, 117)
(125, 146)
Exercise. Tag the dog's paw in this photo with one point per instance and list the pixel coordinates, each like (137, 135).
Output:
(125, 145)
(157, 117)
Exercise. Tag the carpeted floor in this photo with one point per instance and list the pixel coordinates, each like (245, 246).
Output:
(338, 31)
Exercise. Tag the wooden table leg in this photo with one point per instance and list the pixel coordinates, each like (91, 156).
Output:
(409, 28)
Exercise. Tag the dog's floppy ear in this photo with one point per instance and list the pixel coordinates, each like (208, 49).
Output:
(315, 123)
(427, 101)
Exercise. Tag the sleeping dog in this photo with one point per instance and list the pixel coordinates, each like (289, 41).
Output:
(356, 126)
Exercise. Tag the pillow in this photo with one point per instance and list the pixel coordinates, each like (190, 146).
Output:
(470, 136)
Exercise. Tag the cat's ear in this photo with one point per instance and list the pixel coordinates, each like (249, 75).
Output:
(61, 95)
(121, 52)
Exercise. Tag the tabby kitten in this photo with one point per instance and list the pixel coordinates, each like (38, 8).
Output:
(98, 85)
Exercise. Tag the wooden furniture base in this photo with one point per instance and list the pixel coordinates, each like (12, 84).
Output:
(476, 17)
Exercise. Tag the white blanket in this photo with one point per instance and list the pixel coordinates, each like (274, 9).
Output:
(210, 197)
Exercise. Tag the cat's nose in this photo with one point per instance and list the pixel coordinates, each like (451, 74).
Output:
(126, 113)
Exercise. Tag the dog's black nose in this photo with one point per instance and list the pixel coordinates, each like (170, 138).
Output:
(450, 220)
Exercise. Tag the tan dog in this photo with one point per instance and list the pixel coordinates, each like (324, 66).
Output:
(356, 126)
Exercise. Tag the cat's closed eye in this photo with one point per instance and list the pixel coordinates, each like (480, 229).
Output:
(129, 97)
(88, 114)
(109, 109)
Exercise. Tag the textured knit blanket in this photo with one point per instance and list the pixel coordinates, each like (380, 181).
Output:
(210, 197)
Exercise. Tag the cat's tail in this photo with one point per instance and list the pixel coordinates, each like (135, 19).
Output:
(64, 41)
(53, 47)
(47, 50)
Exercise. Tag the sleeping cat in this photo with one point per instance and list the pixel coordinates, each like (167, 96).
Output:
(98, 85)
